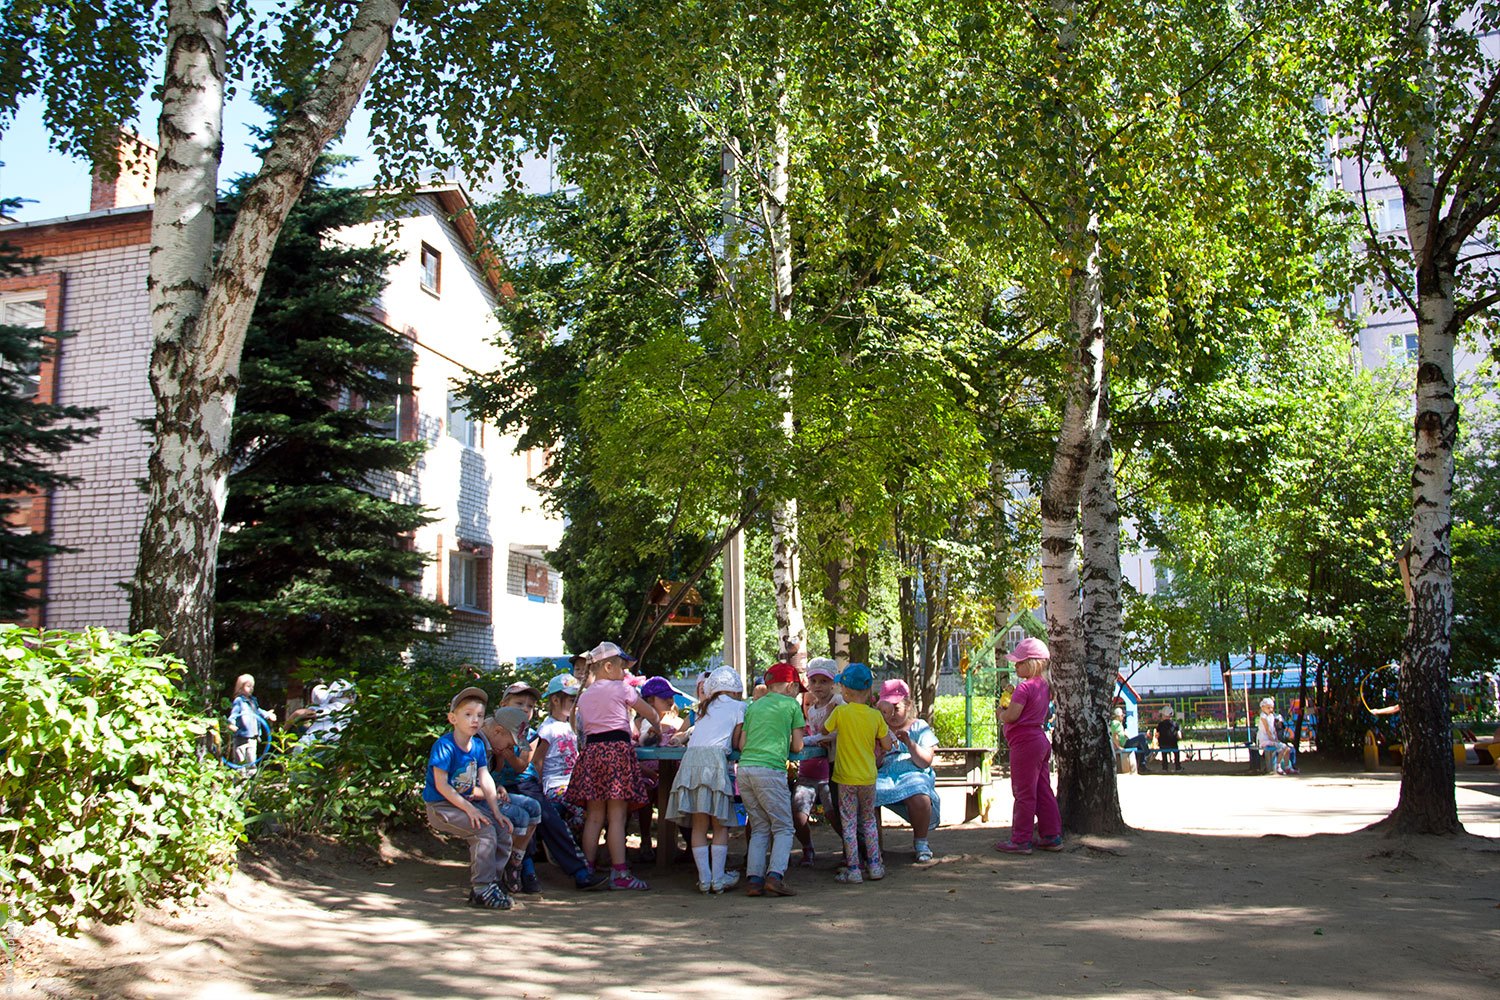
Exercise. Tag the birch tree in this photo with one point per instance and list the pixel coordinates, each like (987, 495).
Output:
(1424, 78)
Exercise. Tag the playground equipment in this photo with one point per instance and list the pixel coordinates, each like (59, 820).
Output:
(1383, 685)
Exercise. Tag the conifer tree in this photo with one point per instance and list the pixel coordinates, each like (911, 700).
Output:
(312, 563)
(32, 434)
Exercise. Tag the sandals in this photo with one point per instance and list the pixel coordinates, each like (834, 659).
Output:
(626, 882)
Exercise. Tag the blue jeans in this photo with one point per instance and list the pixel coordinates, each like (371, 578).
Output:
(561, 847)
(523, 811)
(768, 801)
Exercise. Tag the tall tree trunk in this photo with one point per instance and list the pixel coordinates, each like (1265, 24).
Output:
(199, 312)
(1081, 736)
(1428, 802)
(1092, 779)
(785, 558)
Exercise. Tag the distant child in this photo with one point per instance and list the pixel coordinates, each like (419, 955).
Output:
(247, 718)
(607, 780)
(553, 757)
(462, 801)
(506, 734)
(1030, 753)
(1265, 738)
(703, 793)
(1167, 734)
(773, 727)
(660, 695)
(813, 773)
(862, 733)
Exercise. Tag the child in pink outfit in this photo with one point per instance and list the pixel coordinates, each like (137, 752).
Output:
(1030, 753)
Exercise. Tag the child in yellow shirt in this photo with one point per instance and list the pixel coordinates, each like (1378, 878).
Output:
(861, 732)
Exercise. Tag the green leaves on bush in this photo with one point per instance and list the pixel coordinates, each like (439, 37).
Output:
(105, 800)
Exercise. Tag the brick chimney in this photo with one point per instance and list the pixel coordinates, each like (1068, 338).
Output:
(135, 178)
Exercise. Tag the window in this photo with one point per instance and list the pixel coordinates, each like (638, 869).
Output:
(397, 422)
(28, 310)
(461, 427)
(432, 270)
(528, 575)
(469, 579)
(1411, 347)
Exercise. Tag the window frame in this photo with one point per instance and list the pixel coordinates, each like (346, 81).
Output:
(435, 286)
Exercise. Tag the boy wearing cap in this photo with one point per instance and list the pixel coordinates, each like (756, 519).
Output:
(503, 732)
(862, 733)
(461, 799)
(773, 727)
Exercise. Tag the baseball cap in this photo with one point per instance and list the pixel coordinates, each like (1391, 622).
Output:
(512, 720)
(466, 694)
(605, 650)
(856, 677)
(521, 687)
(784, 673)
(894, 691)
(658, 687)
(562, 684)
(823, 666)
(1029, 648)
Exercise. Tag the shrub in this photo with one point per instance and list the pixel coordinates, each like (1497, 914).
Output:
(948, 720)
(105, 801)
(370, 776)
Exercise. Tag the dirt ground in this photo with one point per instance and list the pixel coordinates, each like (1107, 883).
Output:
(1234, 886)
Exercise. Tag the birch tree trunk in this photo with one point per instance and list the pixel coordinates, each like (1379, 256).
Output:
(791, 626)
(200, 312)
(1080, 738)
(1428, 802)
(1091, 779)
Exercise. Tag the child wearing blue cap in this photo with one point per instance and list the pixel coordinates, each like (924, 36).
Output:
(861, 732)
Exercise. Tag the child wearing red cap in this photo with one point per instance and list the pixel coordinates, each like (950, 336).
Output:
(773, 727)
(1030, 753)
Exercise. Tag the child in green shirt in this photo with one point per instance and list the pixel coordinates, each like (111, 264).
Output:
(773, 727)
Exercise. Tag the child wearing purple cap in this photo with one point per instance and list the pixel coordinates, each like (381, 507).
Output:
(1030, 753)
(660, 695)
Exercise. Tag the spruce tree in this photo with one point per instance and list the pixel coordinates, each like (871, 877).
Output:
(32, 435)
(312, 564)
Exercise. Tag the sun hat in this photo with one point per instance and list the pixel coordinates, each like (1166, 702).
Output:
(784, 673)
(822, 666)
(511, 719)
(605, 650)
(894, 691)
(724, 679)
(856, 677)
(467, 693)
(1029, 648)
(521, 687)
(562, 684)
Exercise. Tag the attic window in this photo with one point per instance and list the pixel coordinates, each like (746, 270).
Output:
(432, 270)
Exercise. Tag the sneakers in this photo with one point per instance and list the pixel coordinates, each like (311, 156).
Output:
(588, 878)
(849, 876)
(1010, 847)
(1053, 844)
(626, 881)
(756, 886)
(729, 881)
(709, 888)
(775, 887)
(490, 897)
(876, 873)
(531, 884)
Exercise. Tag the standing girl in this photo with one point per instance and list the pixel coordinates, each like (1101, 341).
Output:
(607, 780)
(861, 733)
(703, 792)
(248, 719)
(1030, 753)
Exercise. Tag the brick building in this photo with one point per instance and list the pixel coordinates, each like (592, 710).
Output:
(490, 536)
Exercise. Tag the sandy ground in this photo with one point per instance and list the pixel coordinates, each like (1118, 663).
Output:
(1233, 886)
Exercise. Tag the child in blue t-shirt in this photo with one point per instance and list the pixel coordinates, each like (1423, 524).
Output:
(462, 800)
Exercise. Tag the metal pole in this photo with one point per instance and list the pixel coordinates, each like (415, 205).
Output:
(969, 707)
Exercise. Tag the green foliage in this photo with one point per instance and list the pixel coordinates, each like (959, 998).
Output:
(32, 435)
(312, 563)
(948, 720)
(370, 777)
(105, 802)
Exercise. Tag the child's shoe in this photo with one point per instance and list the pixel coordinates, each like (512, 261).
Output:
(922, 851)
(588, 878)
(1053, 844)
(776, 887)
(531, 884)
(624, 880)
(510, 876)
(489, 897)
(807, 857)
(707, 888)
(876, 873)
(729, 881)
(1011, 847)
(848, 876)
(755, 886)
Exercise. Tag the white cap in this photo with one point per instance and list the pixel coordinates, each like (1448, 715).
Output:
(605, 650)
(724, 679)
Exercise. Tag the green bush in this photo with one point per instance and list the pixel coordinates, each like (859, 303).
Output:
(105, 801)
(369, 777)
(948, 720)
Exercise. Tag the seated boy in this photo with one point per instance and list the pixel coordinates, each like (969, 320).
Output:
(504, 732)
(461, 798)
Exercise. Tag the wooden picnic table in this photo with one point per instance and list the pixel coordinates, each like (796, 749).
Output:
(670, 757)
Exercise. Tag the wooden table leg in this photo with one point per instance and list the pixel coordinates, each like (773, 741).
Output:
(666, 830)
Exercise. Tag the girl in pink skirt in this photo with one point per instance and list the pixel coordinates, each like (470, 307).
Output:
(607, 781)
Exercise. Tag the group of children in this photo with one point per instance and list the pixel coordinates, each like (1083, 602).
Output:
(495, 783)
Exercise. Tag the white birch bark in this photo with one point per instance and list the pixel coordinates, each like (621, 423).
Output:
(200, 311)
(1428, 802)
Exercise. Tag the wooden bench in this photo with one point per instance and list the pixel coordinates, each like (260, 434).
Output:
(967, 768)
